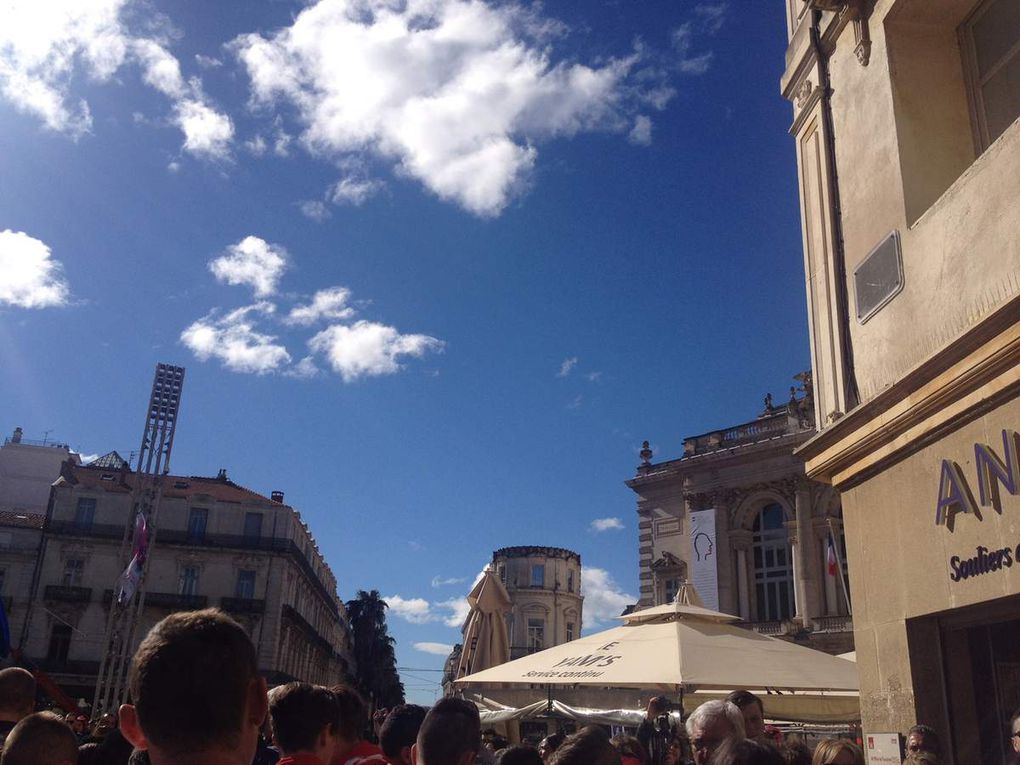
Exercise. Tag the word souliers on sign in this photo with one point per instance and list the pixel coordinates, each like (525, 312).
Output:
(955, 494)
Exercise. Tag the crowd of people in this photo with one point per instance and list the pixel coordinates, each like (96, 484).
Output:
(197, 699)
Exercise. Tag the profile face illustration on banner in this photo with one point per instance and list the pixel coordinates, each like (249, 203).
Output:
(703, 547)
(704, 573)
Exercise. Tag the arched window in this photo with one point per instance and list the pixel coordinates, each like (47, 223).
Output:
(773, 567)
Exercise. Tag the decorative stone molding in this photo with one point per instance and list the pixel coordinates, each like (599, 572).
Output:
(803, 93)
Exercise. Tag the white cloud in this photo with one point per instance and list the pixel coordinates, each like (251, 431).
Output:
(438, 581)
(641, 133)
(712, 15)
(369, 349)
(456, 93)
(256, 146)
(313, 209)
(45, 46)
(414, 610)
(709, 18)
(234, 340)
(458, 610)
(207, 62)
(251, 261)
(606, 524)
(576, 402)
(354, 191)
(438, 649)
(567, 366)
(603, 599)
(29, 277)
(330, 303)
(304, 369)
(593, 376)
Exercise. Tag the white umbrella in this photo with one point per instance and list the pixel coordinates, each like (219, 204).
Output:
(679, 647)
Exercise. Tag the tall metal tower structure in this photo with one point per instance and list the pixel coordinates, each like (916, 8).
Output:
(139, 536)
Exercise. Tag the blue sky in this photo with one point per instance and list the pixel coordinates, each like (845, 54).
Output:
(435, 268)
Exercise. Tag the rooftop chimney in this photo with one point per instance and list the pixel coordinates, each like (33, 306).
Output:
(222, 475)
(277, 496)
(16, 438)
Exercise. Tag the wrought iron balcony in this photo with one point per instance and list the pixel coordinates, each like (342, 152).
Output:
(169, 600)
(834, 624)
(243, 605)
(68, 594)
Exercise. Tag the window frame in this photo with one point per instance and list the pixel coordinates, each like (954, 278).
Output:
(73, 574)
(187, 586)
(245, 574)
(540, 579)
(974, 83)
(194, 513)
(85, 513)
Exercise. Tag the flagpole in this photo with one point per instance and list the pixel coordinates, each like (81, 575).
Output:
(839, 565)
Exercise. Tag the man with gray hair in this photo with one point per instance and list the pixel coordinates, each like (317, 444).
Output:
(17, 698)
(711, 725)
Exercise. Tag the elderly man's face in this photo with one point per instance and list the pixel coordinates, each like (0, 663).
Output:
(1016, 735)
(705, 740)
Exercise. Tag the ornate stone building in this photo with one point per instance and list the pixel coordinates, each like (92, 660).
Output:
(215, 544)
(736, 515)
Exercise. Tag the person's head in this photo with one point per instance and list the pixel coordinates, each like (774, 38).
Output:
(40, 739)
(306, 719)
(353, 718)
(450, 734)
(399, 731)
(837, 751)
(17, 693)
(195, 690)
(743, 751)
(550, 744)
(922, 738)
(79, 724)
(519, 755)
(103, 726)
(589, 746)
(795, 752)
(754, 714)
(710, 725)
(1014, 730)
(658, 705)
(629, 746)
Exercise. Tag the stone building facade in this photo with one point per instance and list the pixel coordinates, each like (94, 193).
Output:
(215, 544)
(908, 153)
(544, 584)
(736, 515)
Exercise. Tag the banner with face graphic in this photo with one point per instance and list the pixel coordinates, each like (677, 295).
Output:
(704, 572)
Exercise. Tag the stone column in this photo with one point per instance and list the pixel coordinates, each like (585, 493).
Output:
(802, 552)
(740, 541)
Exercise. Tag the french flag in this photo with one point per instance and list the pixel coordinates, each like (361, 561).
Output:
(830, 558)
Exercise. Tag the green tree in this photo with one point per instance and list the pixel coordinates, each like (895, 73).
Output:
(373, 650)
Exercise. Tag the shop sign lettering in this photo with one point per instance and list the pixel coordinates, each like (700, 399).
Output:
(593, 662)
(984, 561)
(993, 473)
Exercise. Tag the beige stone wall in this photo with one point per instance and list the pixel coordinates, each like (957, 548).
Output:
(26, 473)
(899, 561)
(558, 602)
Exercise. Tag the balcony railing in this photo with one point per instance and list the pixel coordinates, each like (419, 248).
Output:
(748, 432)
(68, 594)
(243, 605)
(168, 600)
(765, 628)
(834, 624)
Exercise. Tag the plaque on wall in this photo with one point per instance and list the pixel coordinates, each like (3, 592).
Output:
(879, 277)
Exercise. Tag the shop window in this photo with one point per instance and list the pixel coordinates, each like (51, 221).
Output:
(253, 528)
(74, 569)
(990, 40)
(198, 518)
(85, 513)
(538, 576)
(536, 634)
(187, 583)
(60, 643)
(245, 587)
(773, 566)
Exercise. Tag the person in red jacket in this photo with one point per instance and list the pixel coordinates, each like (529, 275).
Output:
(306, 723)
(352, 748)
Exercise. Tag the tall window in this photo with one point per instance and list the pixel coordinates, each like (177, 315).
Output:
(60, 643)
(536, 634)
(253, 527)
(773, 568)
(245, 584)
(570, 581)
(188, 581)
(991, 44)
(74, 568)
(198, 517)
(85, 513)
(3, 575)
(502, 573)
(670, 587)
(538, 576)
(570, 631)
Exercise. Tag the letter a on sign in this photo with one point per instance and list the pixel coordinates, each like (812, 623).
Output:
(954, 495)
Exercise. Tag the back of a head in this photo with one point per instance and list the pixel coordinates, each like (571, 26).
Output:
(40, 739)
(629, 746)
(743, 699)
(189, 682)
(743, 751)
(17, 691)
(716, 709)
(589, 746)
(300, 711)
(400, 728)
(829, 748)
(450, 729)
(795, 753)
(353, 714)
(519, 755)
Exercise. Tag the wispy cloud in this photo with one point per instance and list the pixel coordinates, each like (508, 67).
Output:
(451, 612)
(708, 19)
(234, 340)
(354, 191)
(252, 261)
(566, 366)
(438, 581)
(29, 276)
(330, 303)
(593, 376)
(641, 133)
(437, 649)
(457, 94)
(576, 402)
(606, 524)
(603, 598)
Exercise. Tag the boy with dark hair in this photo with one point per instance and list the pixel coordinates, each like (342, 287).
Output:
(306, 720)
(399, 731)
(40, 739)
(352, 749)
(197, 696)
(451, 734)
(17, 698)
(751, 708)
